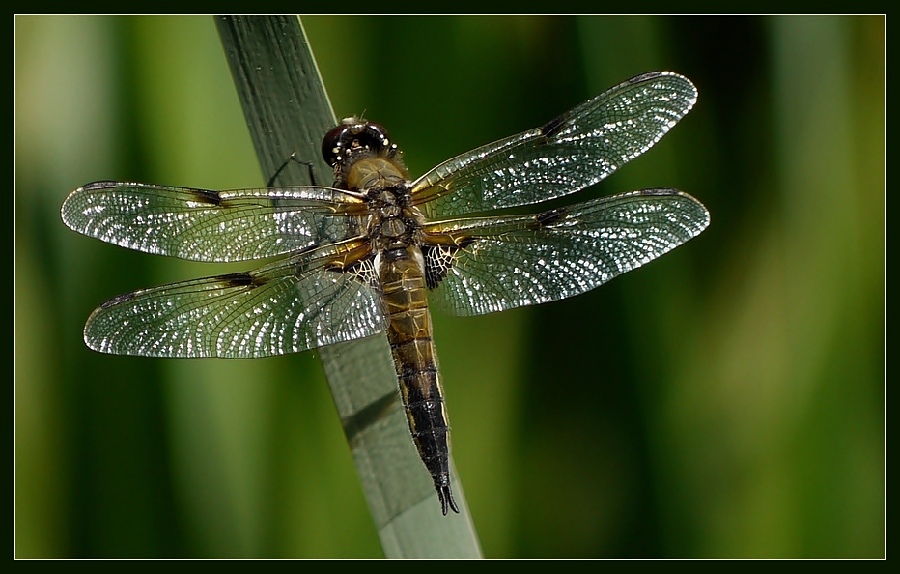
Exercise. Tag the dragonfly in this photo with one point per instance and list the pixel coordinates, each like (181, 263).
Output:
(369, 254)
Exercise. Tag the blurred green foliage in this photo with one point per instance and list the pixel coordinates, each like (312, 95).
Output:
(725, 401)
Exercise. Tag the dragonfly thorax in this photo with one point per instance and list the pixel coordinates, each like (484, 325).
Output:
(393, 223)
(371, 173)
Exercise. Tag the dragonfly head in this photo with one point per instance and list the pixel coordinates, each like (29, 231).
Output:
(355, 138)
(363, 156)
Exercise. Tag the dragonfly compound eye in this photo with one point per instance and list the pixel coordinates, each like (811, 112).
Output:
(354, 135)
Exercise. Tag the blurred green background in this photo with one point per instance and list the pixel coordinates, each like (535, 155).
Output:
(724, 401)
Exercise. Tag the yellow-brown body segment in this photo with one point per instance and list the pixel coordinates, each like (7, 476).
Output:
(411, 338)
(394, 234)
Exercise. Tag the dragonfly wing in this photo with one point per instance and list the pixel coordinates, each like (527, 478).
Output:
(569, 153)
(482, 265)
(287, 307)
(207, 225)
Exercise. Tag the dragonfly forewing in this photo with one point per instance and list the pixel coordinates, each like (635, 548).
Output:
(574, 151)
(207, 225)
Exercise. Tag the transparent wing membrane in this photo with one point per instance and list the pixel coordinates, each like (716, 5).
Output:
(206, 225)
(287, 307)
(574, 151)
(498, 263)
(326, 289)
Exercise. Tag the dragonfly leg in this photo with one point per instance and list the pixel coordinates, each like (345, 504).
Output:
(314, 181)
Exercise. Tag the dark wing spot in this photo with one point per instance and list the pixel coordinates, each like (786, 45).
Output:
(119, 299)
(100, 185)
(552, 127)
(439, 258)
(642, 77)
(206, 196)
(658, 191)
(548, 218)
(240, 280)
(362, 269)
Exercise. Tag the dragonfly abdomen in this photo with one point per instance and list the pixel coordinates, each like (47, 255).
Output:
(412, 345)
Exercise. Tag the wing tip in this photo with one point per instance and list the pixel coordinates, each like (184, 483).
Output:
(103, 184)
(702, 222)
(690, 90)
